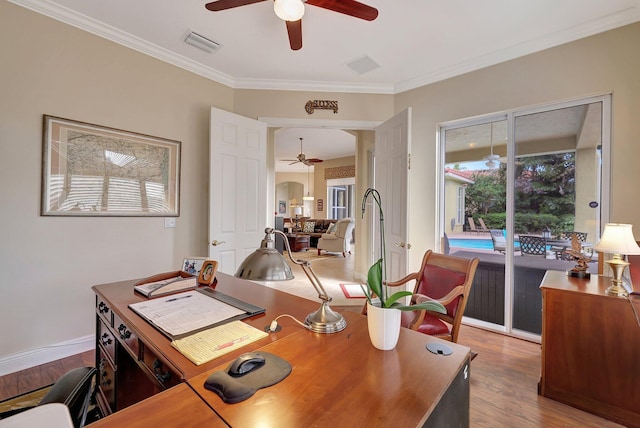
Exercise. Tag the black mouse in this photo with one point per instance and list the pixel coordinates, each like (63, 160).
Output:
(246, 363)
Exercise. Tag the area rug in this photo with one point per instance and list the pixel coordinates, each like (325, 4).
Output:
(28, 399)
(352, 291)
(312, 255)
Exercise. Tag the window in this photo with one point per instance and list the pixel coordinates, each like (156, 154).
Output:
(340, 197)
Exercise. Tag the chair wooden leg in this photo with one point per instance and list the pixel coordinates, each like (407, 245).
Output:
(318, 251)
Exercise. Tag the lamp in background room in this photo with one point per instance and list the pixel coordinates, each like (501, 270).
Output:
(309, 196)
(617, 239)
(297, 211)
(267, 264)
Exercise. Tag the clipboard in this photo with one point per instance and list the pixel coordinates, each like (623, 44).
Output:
(179, 315)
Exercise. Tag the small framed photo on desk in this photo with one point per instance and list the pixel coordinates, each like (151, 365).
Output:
(208, 272)
(193, 265)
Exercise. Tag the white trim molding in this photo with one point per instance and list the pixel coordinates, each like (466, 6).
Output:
(36, 357)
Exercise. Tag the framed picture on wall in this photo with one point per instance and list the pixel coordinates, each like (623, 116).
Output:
(94, 170)
(320, 204)
(282, 207)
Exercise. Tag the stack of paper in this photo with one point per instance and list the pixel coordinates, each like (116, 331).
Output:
(209, 344)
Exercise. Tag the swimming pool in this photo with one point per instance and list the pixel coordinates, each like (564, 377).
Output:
(478, 244)
(474, 244)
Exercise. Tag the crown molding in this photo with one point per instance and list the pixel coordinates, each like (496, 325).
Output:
(623, 17)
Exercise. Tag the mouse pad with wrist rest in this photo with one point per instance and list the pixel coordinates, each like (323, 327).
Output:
(234, 389)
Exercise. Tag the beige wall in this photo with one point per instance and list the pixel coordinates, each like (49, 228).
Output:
(597, 65)
(48, 264)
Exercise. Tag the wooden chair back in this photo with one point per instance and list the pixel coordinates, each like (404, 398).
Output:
(447, 279)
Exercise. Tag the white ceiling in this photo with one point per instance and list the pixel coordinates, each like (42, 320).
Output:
(316, 143)
(414, 42)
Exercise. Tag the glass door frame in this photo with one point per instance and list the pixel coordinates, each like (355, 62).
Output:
(510, 116)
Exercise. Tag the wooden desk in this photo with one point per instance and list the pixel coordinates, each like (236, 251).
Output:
(177, 407)
(354, 382)
(341, 380)
(136, 361)
(590, 348)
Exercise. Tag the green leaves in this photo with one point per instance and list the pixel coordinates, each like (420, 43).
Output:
(374, 280)
(377, 288)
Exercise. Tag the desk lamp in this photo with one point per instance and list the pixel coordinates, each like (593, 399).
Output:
(267, 264)
(617, 239)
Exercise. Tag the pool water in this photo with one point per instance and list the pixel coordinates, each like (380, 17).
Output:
(474, 244)
(478, 244)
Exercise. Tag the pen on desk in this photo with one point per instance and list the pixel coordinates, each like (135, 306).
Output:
(178, 298)
(233, 342)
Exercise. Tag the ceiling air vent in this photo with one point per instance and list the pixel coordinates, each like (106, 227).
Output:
(363, 65)
(201, 42)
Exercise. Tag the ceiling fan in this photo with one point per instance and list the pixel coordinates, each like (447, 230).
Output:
(302, 158)
(291, 11)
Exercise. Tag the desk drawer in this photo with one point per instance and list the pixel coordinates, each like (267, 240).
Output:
(164, 376)
(106, 340)
(107, 379)
(127, 337)
(104, 311)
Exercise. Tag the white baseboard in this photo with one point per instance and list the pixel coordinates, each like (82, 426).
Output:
(36, 357)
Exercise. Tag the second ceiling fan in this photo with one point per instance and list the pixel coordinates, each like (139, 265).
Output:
(302, 158)
(291, 12)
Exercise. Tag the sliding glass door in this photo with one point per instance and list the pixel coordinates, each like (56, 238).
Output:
(527, 182)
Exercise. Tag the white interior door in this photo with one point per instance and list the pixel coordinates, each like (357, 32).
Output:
(392, 146)
(237, 187)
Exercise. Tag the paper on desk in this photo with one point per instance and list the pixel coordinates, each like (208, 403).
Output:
(183, 313)
(206, 345)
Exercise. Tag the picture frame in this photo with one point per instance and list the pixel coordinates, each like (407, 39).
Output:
(94, 170)
(282, 207)
(193, 265)
(208, 272)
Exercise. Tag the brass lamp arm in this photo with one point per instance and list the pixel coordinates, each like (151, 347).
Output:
(305, 265)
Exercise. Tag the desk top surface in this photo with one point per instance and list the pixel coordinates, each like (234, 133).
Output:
(342, 380)
(335, 377)
(120, 294)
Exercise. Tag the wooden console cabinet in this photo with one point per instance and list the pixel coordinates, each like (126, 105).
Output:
(590, 348)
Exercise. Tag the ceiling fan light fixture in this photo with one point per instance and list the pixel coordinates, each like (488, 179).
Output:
(492, 163)
(289, 10)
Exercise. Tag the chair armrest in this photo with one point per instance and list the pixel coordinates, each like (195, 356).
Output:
(411, 276)
(328, 236)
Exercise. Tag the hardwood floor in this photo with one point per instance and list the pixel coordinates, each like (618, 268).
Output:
(36, 377)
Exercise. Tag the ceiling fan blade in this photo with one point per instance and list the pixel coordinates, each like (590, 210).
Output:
(294, 29)
(216, 6)
(348, 7)
(314, 160)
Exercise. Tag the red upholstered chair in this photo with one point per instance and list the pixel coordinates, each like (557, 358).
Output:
(444, 278)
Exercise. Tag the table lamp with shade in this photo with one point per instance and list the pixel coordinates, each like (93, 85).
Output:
(267, 264)
(617, 239)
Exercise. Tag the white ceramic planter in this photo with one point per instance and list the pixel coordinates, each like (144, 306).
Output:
(384, 326)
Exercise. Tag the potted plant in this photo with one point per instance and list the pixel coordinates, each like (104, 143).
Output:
(383, 310)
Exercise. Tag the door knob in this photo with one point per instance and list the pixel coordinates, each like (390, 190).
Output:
(399, 244)
(215, 243)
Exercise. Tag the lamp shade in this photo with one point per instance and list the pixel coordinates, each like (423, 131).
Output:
(297, 211)
(617, 238)
(289, 10)
(265, 264)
